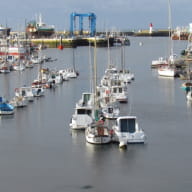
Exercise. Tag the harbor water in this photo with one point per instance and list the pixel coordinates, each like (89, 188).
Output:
(39, 152)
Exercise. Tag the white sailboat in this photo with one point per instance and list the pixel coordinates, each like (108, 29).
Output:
(97, 132)
(71, 72)
(169, 69)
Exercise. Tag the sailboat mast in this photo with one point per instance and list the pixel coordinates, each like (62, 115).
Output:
(123, 59)
(74, 59)
(91, 69)
(108, 52)
(170, 27)
(95, 75)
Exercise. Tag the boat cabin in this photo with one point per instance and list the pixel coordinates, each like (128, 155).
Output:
(126, 124)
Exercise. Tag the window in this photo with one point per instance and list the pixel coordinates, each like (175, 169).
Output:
(127, 125)
(83, 111)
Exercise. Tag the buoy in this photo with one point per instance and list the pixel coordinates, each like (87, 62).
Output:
(60, 47)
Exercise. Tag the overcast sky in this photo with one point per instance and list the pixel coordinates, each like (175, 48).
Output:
(111, 14)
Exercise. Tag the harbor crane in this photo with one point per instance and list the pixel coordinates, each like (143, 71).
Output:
(92, 23)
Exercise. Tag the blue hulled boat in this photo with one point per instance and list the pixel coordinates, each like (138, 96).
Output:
(5, 107)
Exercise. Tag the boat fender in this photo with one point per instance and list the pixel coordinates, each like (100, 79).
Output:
(100, 122)
(111, 132)
(107, 92)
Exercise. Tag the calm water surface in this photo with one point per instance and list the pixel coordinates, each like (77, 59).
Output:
(39, 153)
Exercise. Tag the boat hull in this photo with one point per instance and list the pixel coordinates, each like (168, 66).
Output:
(166, 72)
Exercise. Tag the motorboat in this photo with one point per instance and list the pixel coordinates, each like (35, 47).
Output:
(55, 77)
(126, 130)
(71, 73)
(5, 107)
(19, 101)
(38, 91)
(25, 92)
(82, 117)
(111, 111)
(120, 93)
(126, 76)
(64, 75)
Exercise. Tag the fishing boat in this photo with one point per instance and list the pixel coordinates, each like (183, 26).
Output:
(5, 107)
(37, 28)
(126, 130)
(159, 62)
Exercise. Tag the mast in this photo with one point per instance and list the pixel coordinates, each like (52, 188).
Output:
(123, 58)
(95, 74)
(95, 105)
(170, 28)
(108, 52)
(74, 59)
(91, 69)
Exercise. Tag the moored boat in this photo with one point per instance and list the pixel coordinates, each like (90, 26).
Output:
(82, 117)
(98, 133)
(127, 130)
(5, 107)
(166, 71)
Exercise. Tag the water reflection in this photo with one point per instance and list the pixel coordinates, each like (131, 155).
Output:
(5, 86)
(189, 104)
(167, 88)
(6, 117)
